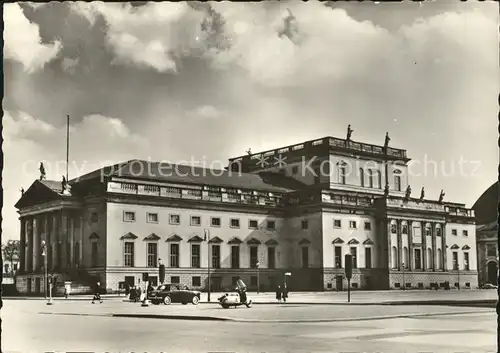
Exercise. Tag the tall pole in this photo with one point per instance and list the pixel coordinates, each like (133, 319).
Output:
(207, 237)
(458, 274)
(67, 147)
(258, 277)
(403, 268)
(44, 253)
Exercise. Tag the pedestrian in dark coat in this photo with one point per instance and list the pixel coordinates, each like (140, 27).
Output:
(278, 293)
(97, 293)
(285, 293)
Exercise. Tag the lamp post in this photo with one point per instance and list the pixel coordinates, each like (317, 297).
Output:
(457, 265)
(44, 254)
(258, 276)
(207, 239)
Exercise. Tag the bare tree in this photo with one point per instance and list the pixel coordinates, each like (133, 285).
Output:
(10, 253)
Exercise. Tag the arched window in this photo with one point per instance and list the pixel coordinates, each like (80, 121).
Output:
(397, 182)
(362, 177)
(439, 260)
(370, 178)
(342, 172)
(394, 257)
(405, 257)
(429, 258)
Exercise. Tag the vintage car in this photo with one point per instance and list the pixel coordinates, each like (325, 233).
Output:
(174, 293)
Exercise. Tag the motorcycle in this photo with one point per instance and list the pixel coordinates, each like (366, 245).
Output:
(233, 299)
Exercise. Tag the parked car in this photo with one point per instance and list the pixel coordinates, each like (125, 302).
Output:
(173, 293)
(489, 286)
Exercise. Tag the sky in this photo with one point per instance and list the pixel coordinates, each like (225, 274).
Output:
(200, 83)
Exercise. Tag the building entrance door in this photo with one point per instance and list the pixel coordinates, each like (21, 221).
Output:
(339, 283)
(492, 272)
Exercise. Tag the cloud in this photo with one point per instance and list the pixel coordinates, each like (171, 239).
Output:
(22, 40)
(205, 112)
(69, 65)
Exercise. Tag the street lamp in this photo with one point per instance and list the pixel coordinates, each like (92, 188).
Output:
(258, 276)
(207, 239)
(457, 265)
(44, 254)
(403, 268)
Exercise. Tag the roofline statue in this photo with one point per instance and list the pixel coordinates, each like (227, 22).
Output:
(441, 196)
(386, 190)
(42, 171)
(408, 193)
(349, 134)
(422, 194)
(22, 191)
(386, 142)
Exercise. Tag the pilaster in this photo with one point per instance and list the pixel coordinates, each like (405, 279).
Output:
(81, 240)
(64, 240)
(29, 236)
(22, 246)
(424, 248)
(410, 245)
(389, 242)
(400, 244)
(36, 243)
(444, 250)
(434, 248)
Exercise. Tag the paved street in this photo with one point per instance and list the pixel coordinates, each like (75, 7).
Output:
(24, 330)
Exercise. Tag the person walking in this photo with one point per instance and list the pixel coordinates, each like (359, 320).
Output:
(278, 293)
(97, 293)
(285, 293)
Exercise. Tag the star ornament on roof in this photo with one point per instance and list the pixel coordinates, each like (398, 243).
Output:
(263, 161)
(280, 161)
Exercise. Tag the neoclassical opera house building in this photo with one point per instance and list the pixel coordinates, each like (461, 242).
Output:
(295, 209)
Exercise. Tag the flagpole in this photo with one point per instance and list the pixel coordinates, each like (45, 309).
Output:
(67, 147)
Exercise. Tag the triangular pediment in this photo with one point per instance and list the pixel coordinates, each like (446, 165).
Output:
(93, 236)
(152, 237)
(195, 239)
(216, 240)
(174, 237)
(466, 247)
(40, 192)
(129, 236)
(235, 241)
(353, 241)
(253, 241)
(337, 241)
(368, 242)
(271, 242)
(304, 242)
(454, 247)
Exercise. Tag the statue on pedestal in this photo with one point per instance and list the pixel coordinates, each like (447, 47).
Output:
(249, 151)
(22, 191)
(441, 196)
(42, 171)
(65, 186)
(386, 142)
(408, 193)
(422, 194)
(386, 190)
(349, 133)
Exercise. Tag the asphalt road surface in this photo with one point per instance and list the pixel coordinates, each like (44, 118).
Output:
(25, 330)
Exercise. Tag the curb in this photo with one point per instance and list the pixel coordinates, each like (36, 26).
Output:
(227, 319)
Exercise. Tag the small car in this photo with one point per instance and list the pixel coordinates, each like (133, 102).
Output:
(489, 286)
(173, 293)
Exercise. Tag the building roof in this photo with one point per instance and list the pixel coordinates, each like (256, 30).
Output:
(176, 173)
(486, 207)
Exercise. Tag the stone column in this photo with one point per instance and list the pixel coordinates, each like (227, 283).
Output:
(81, 241)
(400, 244)
(30, 245)
(389, 242)
(434, 249)
(53, 241)
(444, 250)
(64, 240)
(22, 246)
(36, 243)
(424, 247)
(410, 245)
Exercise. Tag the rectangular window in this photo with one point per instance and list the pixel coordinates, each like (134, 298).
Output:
(453, 232)
(455, 260)
(196, 281)
(368, 257)
(95, 254)
(152, 217)
(418, 259)
(394, 229)
(428, 231)
(253, 224)
(215, 222)
(368, 226)
(354, 253)
(152, 254)
(305, 224)
(305, 257)
(254, 256)
(465, 233)
(174, 255)
(438, 232)
(129, 254)
(337, 223)
(235, 256)
(466, 261)
(215, 256)
(353, 225)
(397, 183)
(404, 229)
(195, 255)
(235, 223)
(491, 250)
(128, 216)
(175, 279)
(338, 257)
(271, 225)
(175, 219)
(271, 257)
(195, 220)
(342, 175)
